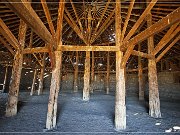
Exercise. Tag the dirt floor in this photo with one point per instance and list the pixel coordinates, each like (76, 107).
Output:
(94, 117)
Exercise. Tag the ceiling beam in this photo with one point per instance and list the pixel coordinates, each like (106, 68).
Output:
(6, 32)
(167, 49)
(165, 22)
(139, 21)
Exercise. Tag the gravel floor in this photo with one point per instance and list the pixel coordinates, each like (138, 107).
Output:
(94, 117)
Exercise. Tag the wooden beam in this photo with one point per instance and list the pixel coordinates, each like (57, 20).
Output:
(153, 29)
(88, 48)
(24, 10)
(167, 37)
(100, 20)
(141, 54)
(35, 50)
(41, 76)
(168, 48)
(33, 82)
(86, 89)
(92, 72)
(162, 24)
(154, 102)
(7, 46)
(127, 19)
(73, 25)
(55, 80)
(76, 73)
(108, 21)
(120, 106)
(48, 17)
(139, 21)
(11, 108)
(108, 74)
(140, 76)
(5, 31)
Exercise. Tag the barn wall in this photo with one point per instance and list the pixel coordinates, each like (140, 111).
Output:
(169, 83)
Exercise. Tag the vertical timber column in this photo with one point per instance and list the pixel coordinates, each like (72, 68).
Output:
(54, 90)
(92, 73)
(140, 77)
(55, 80)
(11, 108)
(76, 73)
(33, 83)
(5, 78)
(120, 108)
(41, 77)
(154, 102)
(108, 74)
(86, 88)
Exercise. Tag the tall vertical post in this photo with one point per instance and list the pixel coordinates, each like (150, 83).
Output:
(5, 78)
(33, 83)
(41, 77)
(154, 102)
(86, 88)
(76, 73)
(11, 108)
(55, 80)
(140, 77)
(108, 74)
(120, 107)
(92, 73)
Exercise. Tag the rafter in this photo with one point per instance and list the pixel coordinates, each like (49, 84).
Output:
(139, 21)
(6, 32)
(153, 29)
(167, 49)
(167, 37)
(6, 45)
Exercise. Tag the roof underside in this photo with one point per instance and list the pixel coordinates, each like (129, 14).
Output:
(95, 19)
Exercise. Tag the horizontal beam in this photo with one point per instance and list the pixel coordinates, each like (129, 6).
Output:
(35, 50)
(145, 55)
(89, 48)
(72, 48)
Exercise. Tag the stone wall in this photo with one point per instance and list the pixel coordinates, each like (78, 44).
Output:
(169, 83)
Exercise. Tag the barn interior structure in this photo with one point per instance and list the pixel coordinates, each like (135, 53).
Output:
(90, 66)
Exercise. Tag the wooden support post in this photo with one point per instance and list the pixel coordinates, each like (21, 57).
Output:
(108, 74)
(92, 73)
(11, 108)
(76, 74)
(41, 77)
(33, 83)
(5, 79)
(154, 102)
(55, 80)
(54, 90)
(140, 77)
(86, 77)
(120, 107)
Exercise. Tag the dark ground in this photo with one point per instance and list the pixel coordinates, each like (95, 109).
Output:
(94, 117)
